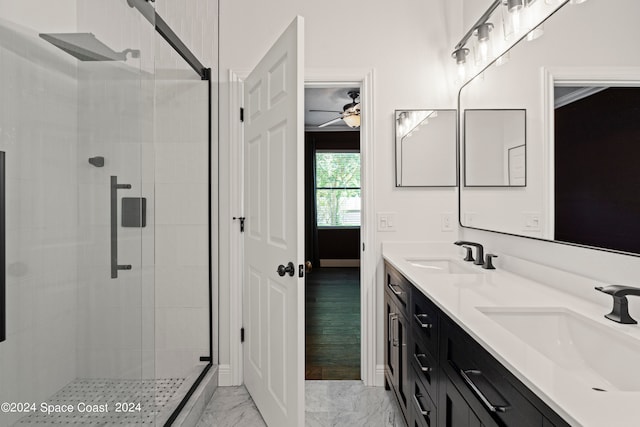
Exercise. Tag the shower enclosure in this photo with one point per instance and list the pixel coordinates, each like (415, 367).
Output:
(105, 274)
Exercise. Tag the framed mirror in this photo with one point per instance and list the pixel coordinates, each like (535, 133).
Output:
(580, 85)
(495, 149)
(426, 148)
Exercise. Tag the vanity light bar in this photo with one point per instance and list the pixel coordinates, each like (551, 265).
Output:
(484, 18)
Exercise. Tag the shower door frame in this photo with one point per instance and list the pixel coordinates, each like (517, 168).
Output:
(164, 30)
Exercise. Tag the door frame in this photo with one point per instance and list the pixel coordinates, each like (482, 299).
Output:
(233, 374)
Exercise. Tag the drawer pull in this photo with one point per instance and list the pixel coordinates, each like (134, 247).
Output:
(422, 411)
(393, 289)
(419, 319)
(423, 367)
(474, 372)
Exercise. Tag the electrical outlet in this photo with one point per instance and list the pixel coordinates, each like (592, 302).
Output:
(446, 221)
(387, 221)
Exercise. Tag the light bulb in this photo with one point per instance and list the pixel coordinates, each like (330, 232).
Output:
(515, 7)
(482, 32)
(460, 55)
(515, 20)
(483, 45)
(462, 71)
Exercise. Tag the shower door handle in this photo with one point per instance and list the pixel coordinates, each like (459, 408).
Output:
(3, 263)
(114, 227)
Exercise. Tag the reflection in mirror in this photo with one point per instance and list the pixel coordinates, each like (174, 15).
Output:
(426, 148)
(597, 134)
(495, 148)
(580, 87)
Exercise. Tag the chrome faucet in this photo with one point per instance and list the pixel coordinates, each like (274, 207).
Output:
(620, 312)
(479, 250)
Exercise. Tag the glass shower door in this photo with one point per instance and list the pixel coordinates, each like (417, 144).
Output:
(76, 122)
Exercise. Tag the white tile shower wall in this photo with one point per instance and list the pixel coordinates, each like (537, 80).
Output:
(38, 121)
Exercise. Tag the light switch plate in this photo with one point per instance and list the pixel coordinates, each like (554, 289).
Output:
(387, 221)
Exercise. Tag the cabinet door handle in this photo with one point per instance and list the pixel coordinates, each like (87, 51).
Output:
(422, 411)
(478, 393)
(419, 317)
(393, 289)
(395, 340)
(391, 334)
(423, 367)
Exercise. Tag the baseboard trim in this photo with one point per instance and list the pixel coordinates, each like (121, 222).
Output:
(379, 379)
(339, 263)
(225, 377)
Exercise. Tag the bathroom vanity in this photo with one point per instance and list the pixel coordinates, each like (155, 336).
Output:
(470, 347)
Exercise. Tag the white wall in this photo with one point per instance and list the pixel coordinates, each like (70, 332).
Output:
(38, 121)
(602, 267)
(402, 43)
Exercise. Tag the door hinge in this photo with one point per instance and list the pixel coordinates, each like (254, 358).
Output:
(241, 114)
(241, 219)
(241, 334)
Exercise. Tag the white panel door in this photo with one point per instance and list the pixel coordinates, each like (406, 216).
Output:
(273, 305)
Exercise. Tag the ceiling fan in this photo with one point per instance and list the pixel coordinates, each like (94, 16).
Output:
(350, 112)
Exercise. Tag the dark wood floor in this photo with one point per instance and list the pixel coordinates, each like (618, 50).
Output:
(333, 324)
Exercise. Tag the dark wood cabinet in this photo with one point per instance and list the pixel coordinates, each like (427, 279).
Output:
(396, 348)
(441, 376)
(456, 411)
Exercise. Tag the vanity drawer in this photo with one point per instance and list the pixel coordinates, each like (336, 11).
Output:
(397, 286)
(423, 410)
(424, 365)
(425, 321)
(483, 381)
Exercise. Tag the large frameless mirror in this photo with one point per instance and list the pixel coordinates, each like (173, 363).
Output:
(580, 88)
(426, 148)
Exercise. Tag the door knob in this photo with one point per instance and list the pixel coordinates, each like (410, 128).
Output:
(290, 268)
(308, 267)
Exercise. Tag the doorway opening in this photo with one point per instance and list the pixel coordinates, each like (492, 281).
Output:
(332, 233)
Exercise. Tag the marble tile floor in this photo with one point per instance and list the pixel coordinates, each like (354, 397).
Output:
(328, 404)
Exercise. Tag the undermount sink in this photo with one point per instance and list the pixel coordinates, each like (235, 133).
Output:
(441, 266)
(603, 357)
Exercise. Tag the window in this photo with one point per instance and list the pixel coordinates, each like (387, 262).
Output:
(337, 189)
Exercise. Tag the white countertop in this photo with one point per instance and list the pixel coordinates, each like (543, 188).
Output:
(459, 295)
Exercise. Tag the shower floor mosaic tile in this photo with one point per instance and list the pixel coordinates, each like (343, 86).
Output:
(117, 403)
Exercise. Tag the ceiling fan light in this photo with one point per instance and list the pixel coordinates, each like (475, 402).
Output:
(352, 120)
